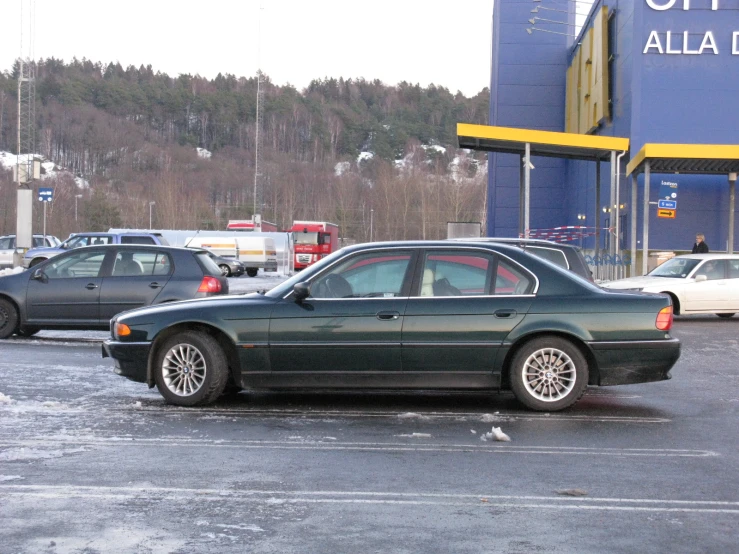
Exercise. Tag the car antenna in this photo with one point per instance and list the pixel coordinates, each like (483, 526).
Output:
(192, 238)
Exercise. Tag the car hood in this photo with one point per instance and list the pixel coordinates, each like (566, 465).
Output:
(641, 282)
(44, 250)
(196, 305)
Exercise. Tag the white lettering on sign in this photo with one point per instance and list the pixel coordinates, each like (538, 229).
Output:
(709, 43)
(735, 47)
(670, 3)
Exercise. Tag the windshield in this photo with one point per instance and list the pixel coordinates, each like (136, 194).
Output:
(677, 268)
(306, 238)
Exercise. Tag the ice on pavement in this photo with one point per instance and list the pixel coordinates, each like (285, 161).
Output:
(495, 434)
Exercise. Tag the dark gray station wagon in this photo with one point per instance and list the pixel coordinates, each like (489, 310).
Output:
(406, 315)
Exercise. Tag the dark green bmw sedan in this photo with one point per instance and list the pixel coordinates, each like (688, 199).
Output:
(405, 315)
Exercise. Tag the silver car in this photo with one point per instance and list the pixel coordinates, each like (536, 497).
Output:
(7, 247)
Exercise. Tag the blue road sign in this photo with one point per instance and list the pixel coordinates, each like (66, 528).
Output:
(45, 194)
(667, 204)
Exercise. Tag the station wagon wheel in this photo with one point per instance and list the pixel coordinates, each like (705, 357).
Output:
(225, 270)
(549, 374)
(191, 369)
(8, 319)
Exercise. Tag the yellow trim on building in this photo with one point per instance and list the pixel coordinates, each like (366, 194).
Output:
(684, 152)
(572, 144)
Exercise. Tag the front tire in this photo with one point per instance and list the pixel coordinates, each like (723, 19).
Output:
(252, 271)
(36, 261)
(191, 369)
(548, 374)
(725, 316)
(8, 319)
(27, 331)
(225, 270)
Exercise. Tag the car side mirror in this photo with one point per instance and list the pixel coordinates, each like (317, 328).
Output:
(700, 278)
(301, 291)
(39, 275)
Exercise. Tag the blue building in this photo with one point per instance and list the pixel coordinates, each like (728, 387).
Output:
(661, 73)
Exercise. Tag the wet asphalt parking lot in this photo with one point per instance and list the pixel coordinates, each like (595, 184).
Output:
(90, 462)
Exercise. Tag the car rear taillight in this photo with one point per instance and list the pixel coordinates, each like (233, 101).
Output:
(664, 319)
(209, 284)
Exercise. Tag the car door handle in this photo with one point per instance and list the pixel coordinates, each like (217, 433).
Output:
(505, 313)
(388, 316)
(91, 286)
(155, 285)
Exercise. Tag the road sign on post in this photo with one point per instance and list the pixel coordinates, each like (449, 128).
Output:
(669, 214)
(45, 194)
(667, 204)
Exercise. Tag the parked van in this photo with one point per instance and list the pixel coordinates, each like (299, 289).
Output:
(256, 253)
(225, 247)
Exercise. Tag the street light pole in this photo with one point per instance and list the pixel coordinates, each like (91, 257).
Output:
(150, 206)
(76, 196)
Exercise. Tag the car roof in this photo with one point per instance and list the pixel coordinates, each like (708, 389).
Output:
(709, 256)
(522, 241)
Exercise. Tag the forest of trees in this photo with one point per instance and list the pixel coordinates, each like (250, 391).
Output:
(133, 135)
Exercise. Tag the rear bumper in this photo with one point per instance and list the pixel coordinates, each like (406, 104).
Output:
(131, 358)
(628, 362)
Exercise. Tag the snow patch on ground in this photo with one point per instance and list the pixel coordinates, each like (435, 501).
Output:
(203, 153)
(10, 478)
(365, 156)
(495, 434)
(23, 454)
(6, 399)
(341, 168)
(412, 415)
(416, 435)
(12, 271)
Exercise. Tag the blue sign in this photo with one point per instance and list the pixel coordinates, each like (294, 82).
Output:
(45, 194)
(667, 204)
(667, 191)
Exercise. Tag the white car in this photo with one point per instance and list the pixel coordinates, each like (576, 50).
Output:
(697, 283)
(7, 247)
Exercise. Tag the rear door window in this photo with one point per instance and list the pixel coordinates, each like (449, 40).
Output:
(555, 256)
(210, 267)
(137, 240)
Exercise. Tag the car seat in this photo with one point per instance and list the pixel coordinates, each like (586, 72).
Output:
(427, 285)
(442, 286)
(338, 287)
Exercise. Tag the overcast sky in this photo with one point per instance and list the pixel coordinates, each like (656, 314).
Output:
(419, 41)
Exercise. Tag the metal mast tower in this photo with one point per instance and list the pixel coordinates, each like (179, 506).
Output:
(258, 147)
(26, 167)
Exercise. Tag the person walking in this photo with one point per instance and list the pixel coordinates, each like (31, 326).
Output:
(700, 246)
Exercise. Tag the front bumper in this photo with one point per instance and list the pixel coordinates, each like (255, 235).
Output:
(131, 358)
(628, 362)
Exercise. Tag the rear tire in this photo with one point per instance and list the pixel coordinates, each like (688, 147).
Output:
(252, 271)
(725, 316)
(548, 374)
(8, 319)
(191, 369)
(225, 270)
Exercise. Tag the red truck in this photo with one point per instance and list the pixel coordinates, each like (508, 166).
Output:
(313, 240)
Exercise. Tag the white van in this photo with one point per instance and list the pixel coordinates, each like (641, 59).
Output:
(256, 253)
(220, 246)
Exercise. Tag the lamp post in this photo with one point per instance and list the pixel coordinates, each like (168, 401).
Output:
(372, 217)
(76, 196)
(151, 204)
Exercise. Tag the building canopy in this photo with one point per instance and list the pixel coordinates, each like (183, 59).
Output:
(705, 159)
(511, 140)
